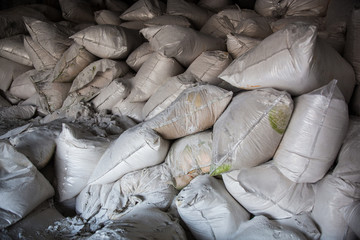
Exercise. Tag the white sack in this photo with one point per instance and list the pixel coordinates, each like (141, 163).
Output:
(166, 94)
(107, 17)
(23, 87)
(271, 8)
(137, 57)
(142, 10)
(352, 45)
(233, 20)
(78, 11)
(168, 20)
(152, 74)
(208, 210)
(238, 44)
(293, 60)
(136, 148)
(195, 109)
(209, 65)
(189, 157)
(77, 154)
(351, 215)
(93, 78)
(13, 49)
(108, 41)
(10, 70)
(23, 188)
(143, 223)
(333, 194)
(260, 227)
(40, 58)
(182, 43)
(71, 63)
(108, 96)
(250, 129)
(263, 190)
(196, 14)
(130, 109)
(18, 112)
(314, 136)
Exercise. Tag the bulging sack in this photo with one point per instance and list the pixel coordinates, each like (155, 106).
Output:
(137, 57)
(196, 109)
(142, 10)
(238, 44)
(293, 60)
(263, 190)
(136, 148)
(208, 209)
(182, 43)
(108, 41)
(314, 136)
(13, 49)
(9, 71)
(189, 157)
(250, 129)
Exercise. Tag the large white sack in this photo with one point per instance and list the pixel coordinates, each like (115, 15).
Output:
(208, 210)
(77, 154)
(194, 110)
(270, 8)
(168, 19)
(147, 186)
(108, 41)
(52, 37)
(189, 157)
(94, 77)
(260, 227)
(23, 187)
(208, 65)
(37, 143)
(291, 59)
(166, 94)
(196, 14)
(142, 223)
(263, 190)
(142, 10)
(13, 49)
(250, 129)
(107, 17)
(130, 109)
(136, 148)
(23, 86)
(40, 58)
(238, 44)
(152, 74)
(233, 20)
(10, 70)
(182, 43)
(137, 57)
(332, 195)
(108, 96)
(78, 11)
(71, 63)
(352, 45)
(348, 161)
(314, 136)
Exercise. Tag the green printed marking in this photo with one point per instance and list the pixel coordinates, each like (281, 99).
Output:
(279, 117)
(221, 169)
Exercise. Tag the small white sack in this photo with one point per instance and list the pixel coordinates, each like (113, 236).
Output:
(293, 60)
(263, 190)
(189, 157)
(208, 210)
(23, 187)
(314, 136)
(238, 44)
(130, 109)
(23, 87)
(136, 148)
(152, 74)
(142, 10)
(13, 49)
(182, 43)
(77, 154)
(137, 57)
(9, 71)
(108, 41)
(250, 129)
(195, 109)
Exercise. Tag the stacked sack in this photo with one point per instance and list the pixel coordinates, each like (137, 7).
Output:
(180, 119)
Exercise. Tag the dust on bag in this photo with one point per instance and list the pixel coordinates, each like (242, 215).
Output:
(238, 44)
(250, 129)
(137, 57)
(314, 136)
(13, 49)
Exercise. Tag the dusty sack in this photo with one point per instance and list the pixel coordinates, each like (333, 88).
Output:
(238, 44)
(13, 49)
(142, 10)
(137, 57)
(9, 71)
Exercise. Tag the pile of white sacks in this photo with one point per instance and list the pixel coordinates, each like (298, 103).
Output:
(180, 120)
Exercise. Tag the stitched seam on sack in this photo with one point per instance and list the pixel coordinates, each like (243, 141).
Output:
(101, 45)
